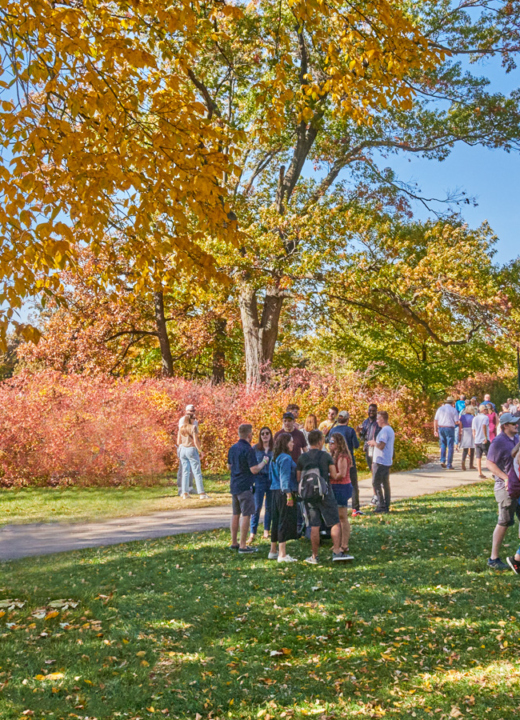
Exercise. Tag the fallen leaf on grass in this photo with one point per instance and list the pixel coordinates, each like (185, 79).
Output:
(52, 614)
(455, 712)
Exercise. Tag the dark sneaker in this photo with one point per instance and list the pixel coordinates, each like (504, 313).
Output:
(234, 547)
(514, 564)
(341, 557)
(247, 550)
(357, 513)
(443, 465)
(496, 564)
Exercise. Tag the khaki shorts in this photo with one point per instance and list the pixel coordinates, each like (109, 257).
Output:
(243, 503)
(506, 507)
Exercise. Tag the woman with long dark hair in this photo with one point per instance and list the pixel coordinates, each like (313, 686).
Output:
(284, 516)
(263, 447)
(342, 486)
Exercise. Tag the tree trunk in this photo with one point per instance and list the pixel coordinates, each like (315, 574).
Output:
(260, 335)
(162, 334)
(219, 352)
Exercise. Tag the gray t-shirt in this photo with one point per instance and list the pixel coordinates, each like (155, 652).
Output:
(478, 424)
(385, 456)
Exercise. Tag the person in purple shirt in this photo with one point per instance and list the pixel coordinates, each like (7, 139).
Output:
(500, 462)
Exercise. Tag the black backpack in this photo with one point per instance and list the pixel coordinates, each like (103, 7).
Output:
(312, 487)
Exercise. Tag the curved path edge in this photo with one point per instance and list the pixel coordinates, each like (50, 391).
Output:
(26, 540)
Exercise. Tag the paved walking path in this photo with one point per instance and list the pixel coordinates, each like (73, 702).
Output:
(17, 541)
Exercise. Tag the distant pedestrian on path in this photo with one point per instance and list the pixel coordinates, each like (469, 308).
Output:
(243, 466)
(349, 435)
(499, 462)
(466, 442)
(382, 462)
(446, 420)
(284, 524)
(190, 452)
(480, 429)
(460, 405)
(264, 446)
(191, 413)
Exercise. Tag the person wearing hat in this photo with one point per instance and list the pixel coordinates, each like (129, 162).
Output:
(299, 439)
(444, 424)
(500, 462)
(343, 428)
(190, 412)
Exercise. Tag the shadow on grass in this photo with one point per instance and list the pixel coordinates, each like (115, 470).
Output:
(186, 626)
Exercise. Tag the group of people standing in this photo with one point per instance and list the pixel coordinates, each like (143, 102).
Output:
(306, 475)
(479, 430)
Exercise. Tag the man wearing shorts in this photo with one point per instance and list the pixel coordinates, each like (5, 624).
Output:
(323, 509)
(480, 429)
(500, 462)
(243, 466)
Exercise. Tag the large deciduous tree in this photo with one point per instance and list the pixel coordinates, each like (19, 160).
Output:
(325, 93)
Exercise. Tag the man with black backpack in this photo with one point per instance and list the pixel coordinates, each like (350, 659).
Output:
(314, 468)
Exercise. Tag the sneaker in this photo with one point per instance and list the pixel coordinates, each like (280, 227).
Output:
(234, 547)
(311, 560)
(272, 556)
(443, 465)
(287, 558)
(204, 496)
(450, 467)
(247, 550)
(374, 500)
(496, 564)
(357, 513)
(341, 557)
(185, 496)
(514, 564)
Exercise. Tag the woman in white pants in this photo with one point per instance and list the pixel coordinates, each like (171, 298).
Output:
(189, 455)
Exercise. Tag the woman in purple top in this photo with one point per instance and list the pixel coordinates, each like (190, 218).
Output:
(493, 422)
(466, 441)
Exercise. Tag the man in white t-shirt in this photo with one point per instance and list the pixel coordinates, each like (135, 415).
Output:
(444, 424)
(480, 429)
(190, 412)
(382, 461)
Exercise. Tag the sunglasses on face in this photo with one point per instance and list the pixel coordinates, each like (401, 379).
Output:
(265, 433)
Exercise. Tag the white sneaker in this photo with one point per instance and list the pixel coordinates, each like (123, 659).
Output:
(185, 496)
(287, 558)
(272, 556)
(204, 496)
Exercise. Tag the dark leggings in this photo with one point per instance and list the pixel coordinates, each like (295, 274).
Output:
(471, 452)
(355, 487)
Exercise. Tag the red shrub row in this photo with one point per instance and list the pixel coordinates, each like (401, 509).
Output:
(56, 428)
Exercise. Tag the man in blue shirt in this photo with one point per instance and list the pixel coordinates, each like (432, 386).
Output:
(343, 428)
(243, 466)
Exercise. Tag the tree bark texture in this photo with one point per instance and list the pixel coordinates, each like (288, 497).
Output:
(260, 332)
(162, 334)
(219, 352)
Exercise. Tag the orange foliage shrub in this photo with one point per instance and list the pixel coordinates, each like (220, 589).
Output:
(72, 428)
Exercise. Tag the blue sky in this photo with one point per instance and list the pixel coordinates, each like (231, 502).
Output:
(490, 176)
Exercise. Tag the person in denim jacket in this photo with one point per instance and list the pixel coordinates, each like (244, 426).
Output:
(263, 447)
(284, 517)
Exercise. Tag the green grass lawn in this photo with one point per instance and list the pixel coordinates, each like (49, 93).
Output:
(185, 628)
(72, 504)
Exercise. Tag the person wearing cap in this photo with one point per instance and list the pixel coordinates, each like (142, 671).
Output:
(480, 430)
(190, 412)
(299, 439)
(445, 422)
(500, 462)
(343, 428)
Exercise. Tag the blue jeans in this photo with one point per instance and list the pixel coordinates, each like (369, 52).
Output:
(447, 440)
(190, 459)
(262, 488)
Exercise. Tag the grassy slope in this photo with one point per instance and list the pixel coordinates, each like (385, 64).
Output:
(37, 504)
(417, 627)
